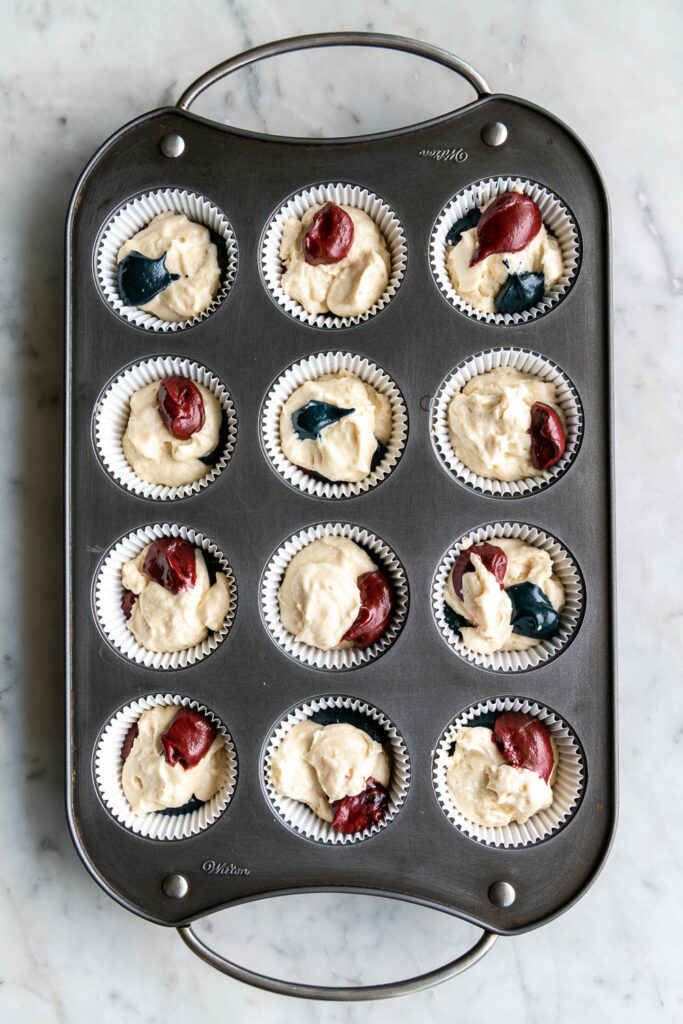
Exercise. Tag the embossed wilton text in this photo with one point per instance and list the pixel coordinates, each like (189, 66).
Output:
(212, 867)
(459, 155)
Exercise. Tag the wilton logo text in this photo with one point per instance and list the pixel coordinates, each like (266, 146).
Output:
(459, 155)
(213, 867)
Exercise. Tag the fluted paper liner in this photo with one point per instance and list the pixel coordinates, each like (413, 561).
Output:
(299, 816)
(156, 824)
(113, 410)
(345, 658)
(556, 218)
(310, 369)
(564, 567)
(272, 267)
(108, 593)
(567, 789)
(135, 214)
(525, 361)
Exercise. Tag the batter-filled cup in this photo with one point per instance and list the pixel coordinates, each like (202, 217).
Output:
(272, 266)
(557, 219)
(342, 658)
(172, 823)
(567, 789)
(564, 568)
(108, 594)
(310, 369)
(326, 710)
(111, 414)
(527, 362)
(134, 215)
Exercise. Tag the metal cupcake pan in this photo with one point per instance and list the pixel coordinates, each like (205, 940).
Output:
(249, 511)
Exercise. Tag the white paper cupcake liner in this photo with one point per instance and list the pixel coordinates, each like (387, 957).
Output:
(108, 593)
(556, 218)
(300, 817)
(135, 214)
(111, 419)
(343, 195)
(156, 824)
(567, 789)
(345, 658)
(310, 369)
(526, 362)
(564, 567)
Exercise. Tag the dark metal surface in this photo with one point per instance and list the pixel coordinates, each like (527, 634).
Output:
(419, 510)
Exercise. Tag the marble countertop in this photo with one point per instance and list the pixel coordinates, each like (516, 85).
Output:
(72, 74)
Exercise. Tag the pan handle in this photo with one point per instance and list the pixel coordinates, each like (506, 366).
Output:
(309, 42)
(337, 993)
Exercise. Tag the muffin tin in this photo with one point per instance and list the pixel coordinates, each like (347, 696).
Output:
(249, 511)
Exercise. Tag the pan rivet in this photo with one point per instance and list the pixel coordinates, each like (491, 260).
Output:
(502, 894)
(172, 145)
(176, 887)
(494, 133)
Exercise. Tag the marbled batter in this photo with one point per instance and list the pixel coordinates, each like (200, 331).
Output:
(487, 790)
(348, 288)
(152, 451)
(489, 608)
(316, 764)
(319, 597)
(150, 783)
(164, 622)
(344, 450)
(490, 418)
(479, 285)
(190, 253)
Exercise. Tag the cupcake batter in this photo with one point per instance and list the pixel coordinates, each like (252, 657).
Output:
(163, 621)
(317, 764)
(344, 450)
(319, 597)
(190, 254)
(487, 790)
(152, 451)
(479, 285)
(489, 421)
(489, 608)
(150, 783)
(348, 288)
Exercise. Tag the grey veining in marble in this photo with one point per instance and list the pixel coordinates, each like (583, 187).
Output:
(70, 75)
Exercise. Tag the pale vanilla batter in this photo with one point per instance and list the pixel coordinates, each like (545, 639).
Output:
(164, 622)
(489, 421)
(152, 451)
(479, 285)
(150, 783)
(488, 791)
(348, 288)
(489, 608)
(189, 253)
(319, 596)
(345, 449)
(316, 764)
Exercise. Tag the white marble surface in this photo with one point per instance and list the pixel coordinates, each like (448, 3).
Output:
(73, 72)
